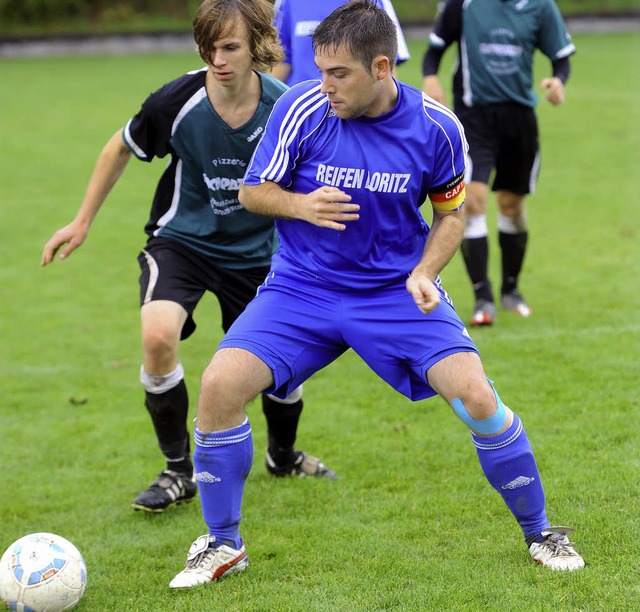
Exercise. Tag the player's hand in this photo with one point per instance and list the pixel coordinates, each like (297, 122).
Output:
(329, 207)
(555, 90)
(73, 235)
(425, 294)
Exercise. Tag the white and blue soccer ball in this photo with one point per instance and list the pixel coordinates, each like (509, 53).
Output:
(42, 572)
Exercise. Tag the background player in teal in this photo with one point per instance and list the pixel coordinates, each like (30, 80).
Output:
(344, 166)
(295, 22)
(493, 97)
(200, 237)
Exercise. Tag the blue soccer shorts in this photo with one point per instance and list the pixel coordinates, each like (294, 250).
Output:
(297, 328)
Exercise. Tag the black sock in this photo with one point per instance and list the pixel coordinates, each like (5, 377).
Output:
(513, 248)
(168, 412)
(282, 426)
(475, 252)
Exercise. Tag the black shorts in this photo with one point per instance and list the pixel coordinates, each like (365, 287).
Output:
(504, 138)
(171, 271)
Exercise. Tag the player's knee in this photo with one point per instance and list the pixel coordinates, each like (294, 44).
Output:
(476, 199)
(511, 204)
(292, 398)
(481, 424)
(159, 344)
(224, 377)
(212, 379)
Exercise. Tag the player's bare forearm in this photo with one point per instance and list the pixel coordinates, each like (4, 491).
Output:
(111, 163)
(268, 199)
(326, 207)
(442, 243)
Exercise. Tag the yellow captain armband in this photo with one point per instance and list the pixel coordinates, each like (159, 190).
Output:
(443, 204)
(448, 205)
(451, 197)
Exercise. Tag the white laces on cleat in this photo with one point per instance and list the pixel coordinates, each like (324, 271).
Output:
(556, 552)
(206, 563)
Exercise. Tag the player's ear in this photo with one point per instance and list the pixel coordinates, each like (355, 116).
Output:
(381, 67)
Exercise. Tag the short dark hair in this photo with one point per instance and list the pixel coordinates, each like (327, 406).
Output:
(214, 19)
(363, 28)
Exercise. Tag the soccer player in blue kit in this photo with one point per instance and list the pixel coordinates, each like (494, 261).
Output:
(200, 238)
(296, 20)
(344, 166)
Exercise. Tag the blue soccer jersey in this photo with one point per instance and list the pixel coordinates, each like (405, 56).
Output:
(388, 164)
(296, 21)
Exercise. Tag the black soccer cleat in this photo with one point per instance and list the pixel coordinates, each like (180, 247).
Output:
(303, 465)
(170, 488)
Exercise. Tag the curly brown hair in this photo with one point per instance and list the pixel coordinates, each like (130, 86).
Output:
(214, 20)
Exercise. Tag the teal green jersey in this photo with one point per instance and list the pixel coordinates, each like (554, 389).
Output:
(496, 44)
(196, 201)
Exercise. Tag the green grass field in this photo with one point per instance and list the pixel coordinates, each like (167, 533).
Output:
(412, 524)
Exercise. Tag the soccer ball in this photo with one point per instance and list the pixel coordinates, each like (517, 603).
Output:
(42, 572)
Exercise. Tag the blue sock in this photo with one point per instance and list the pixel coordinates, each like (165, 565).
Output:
(510, 467)
(222, 461)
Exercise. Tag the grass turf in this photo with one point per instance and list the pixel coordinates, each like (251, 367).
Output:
(412, 524)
